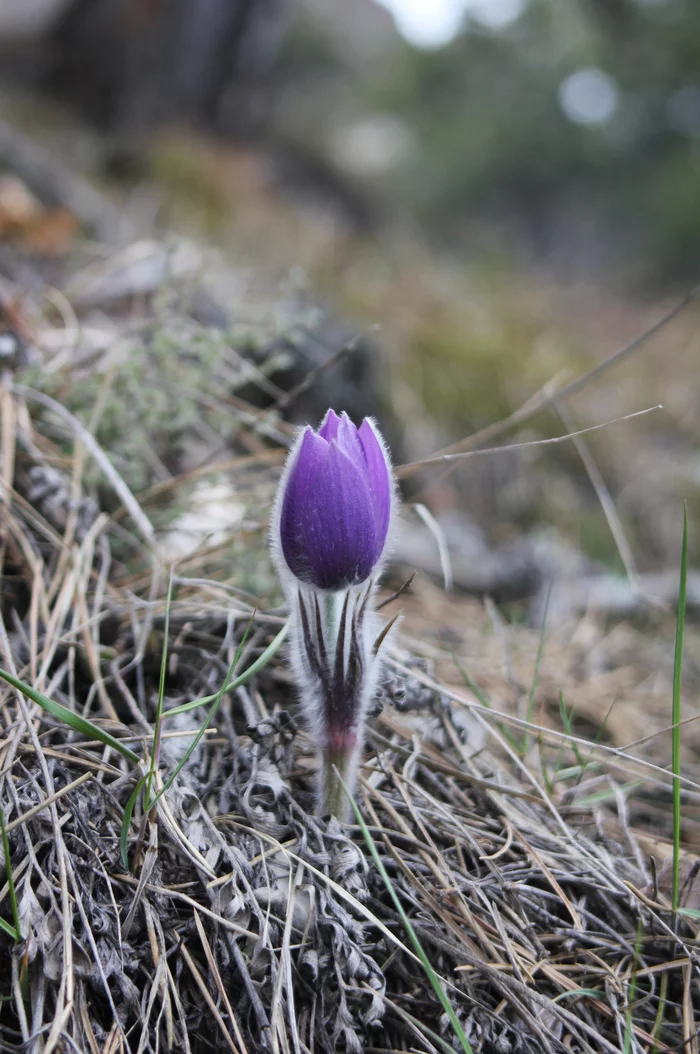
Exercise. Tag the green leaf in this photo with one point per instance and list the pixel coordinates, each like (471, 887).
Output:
(536, 672)
(9, 930)
(15, 931)
(691, 913)
(255, 667)
(676, 714)
(225, 687)
(128, 812)
(70, 718)
(632, 992)
(158, 726)
(591, 993)
(483, 699)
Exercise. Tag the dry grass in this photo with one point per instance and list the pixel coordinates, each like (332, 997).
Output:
(245, 922)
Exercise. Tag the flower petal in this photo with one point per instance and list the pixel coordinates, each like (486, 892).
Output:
(311, 455)
(378, 478)
(349, 442)
(337, 525)
(329, 426)
(336, 504)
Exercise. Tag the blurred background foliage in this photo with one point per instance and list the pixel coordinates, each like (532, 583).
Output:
(570, 134)
(546, 157)
(494, 212)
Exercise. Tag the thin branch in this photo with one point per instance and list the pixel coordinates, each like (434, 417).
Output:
(550, 395)
(436, 459)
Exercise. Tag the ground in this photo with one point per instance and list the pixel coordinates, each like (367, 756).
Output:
(508, 886)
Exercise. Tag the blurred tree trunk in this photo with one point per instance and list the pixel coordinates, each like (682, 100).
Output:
(130, 65)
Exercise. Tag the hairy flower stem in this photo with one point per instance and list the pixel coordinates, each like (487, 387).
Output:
(336, 663)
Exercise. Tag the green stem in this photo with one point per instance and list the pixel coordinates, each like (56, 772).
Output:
(336, 770)
(10, 877)
(676, 716)
(330, 619)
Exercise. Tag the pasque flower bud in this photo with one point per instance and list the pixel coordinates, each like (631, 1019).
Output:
(330, 529)
(337, 498)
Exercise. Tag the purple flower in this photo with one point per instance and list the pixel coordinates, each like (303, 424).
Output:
(335, 504)
(329, 533)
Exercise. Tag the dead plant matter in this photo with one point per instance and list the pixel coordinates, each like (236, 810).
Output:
(244, 922)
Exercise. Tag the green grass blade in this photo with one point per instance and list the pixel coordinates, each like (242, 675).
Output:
(660, 1013)
(569, 729)
(68, 717)
(13, 932)
(126, 821)
(676, 713)
(255, 667)
(689, 913)
(587, 801)
(428, 1033)
(225, 687)
(578, 771)
(536, 671)
(629, 1020)
(158, 726)
(481, 698)
(9, 930)
(435, 981)
(550, 781)
(589, 993)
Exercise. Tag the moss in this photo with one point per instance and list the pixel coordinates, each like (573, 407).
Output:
(181, 167)
(471, 368)
(155, 399)
(459, 375)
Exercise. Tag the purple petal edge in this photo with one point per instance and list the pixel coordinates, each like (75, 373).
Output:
(329, 426)
(379, 477)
